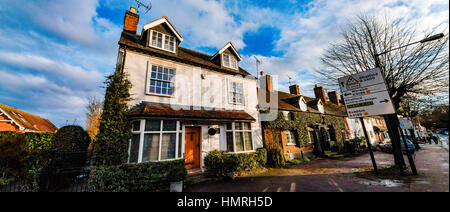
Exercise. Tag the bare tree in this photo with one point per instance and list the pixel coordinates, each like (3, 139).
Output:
(94, 111)
(415, 70)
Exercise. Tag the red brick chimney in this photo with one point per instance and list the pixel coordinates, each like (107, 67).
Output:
(294, 89)
(131, 21)
(320, 93)
(266, 82)
(333, 96)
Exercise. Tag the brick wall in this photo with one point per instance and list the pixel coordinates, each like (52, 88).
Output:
(7, 126)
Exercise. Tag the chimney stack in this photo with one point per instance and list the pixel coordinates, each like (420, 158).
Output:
(266, 82)
(294, 89)
(131, 21)
(320, 93)
(333, 96)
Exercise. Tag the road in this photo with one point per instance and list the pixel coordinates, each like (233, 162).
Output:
(345, 175)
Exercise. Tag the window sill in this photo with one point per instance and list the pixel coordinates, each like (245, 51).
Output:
(251, 151)
(239, 104)
(155, 47)
(291, 144)
(160, 95)
(155, 161)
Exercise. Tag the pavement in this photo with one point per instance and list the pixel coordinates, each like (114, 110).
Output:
(353, 174)
(444, 140)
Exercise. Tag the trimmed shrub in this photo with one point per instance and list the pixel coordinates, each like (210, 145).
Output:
(35, 141)
(137, 177)
(13, 155)
(218, 163)
(19, 162)
(276, 158)
(72, 139)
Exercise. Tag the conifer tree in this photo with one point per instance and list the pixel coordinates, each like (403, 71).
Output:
(111, 145)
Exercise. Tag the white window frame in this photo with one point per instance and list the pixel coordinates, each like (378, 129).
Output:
(292, 136)
(149, 78)
(162, 42)
(142, 132)
(230, 92)
(232, 60)
(311, 140)
(233, 130)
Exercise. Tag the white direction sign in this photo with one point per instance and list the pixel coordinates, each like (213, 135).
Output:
(365, 94)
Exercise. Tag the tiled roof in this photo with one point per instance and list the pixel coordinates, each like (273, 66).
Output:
(28, 121)
(163, 111)
(183, 55)
(285, 98)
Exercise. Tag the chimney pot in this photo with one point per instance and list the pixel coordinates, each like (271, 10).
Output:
(133, 9)
(294, 89)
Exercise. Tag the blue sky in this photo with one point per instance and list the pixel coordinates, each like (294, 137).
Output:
(54, 54)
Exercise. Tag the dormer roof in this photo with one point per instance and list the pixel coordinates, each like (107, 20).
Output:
(164, 20)
(230, 46)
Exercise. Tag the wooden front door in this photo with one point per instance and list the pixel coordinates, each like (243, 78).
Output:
(192, 148)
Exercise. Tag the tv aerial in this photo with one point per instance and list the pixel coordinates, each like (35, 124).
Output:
(145, 4)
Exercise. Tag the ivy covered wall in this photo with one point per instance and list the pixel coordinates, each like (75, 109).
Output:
(299, 122)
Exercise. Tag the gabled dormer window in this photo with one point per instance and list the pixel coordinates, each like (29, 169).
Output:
(162, 41)
(302, 104)
(229, 61)
(320, 107)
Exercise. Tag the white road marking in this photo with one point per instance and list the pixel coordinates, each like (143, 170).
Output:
(292, 187)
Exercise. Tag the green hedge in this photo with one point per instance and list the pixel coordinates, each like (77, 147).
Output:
(218, 163)
(35, 141)
(137, 177)
(18, 161)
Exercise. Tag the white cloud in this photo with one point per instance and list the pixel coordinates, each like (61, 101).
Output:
(74, 76)
(207, 23)
(43, 97)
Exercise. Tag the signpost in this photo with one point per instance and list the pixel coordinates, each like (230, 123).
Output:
(365, 94)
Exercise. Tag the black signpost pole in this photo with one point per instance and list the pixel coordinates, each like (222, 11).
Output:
(392, 118)
(369, 146)
(395, 139)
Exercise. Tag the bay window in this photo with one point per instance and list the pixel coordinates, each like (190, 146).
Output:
(157, 40)
(155, 140)
(239, 137)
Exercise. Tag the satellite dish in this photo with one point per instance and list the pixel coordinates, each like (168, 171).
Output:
(145, 4)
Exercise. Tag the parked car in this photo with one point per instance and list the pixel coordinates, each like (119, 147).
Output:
(387, 147)
(443, 131)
